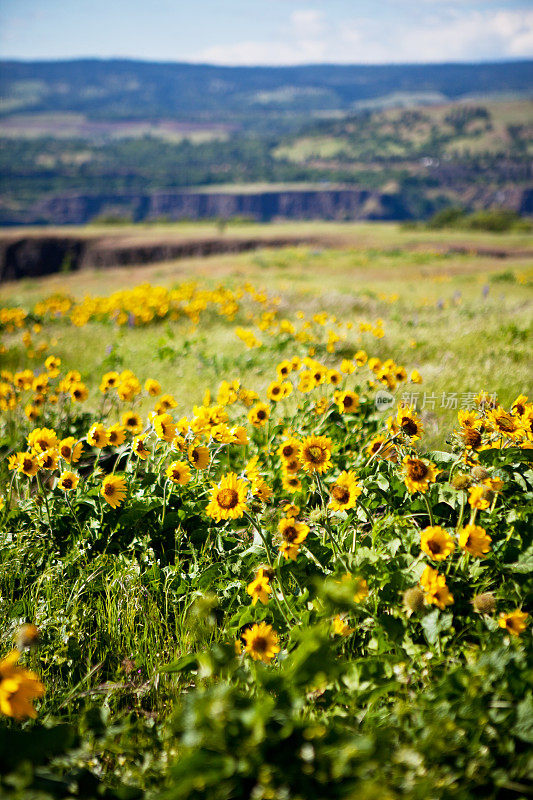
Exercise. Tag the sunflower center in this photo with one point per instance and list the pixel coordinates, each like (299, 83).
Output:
(260, 644)
(316, 454)
(472, 437)
(347, 402)
(290, 533)
(288, 451)
(435, 547)
(228, 498)
(417, 470)
(409, 426)
(340, 493)
(109, 490)
(261, 414)
(67, 483)
(506, 424)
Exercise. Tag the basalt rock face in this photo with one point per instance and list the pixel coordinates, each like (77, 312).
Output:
(263, 206)
(341, 203)
(33, 256)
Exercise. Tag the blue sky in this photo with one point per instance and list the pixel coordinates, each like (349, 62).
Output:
(269, 31)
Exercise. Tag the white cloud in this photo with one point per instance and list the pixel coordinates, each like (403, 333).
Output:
(454, 35)
(307, 22)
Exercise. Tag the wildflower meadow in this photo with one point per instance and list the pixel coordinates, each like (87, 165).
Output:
(249, 564)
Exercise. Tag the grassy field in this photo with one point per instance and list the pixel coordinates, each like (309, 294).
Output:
(462, 319)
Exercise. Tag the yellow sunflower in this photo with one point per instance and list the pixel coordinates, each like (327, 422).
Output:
(138, 447)
(467, 418)
(164, 427)
(70, 450)
(27, 463)
(291, 510)
(41, 439)
(381, 448)
(505, 424)
(48, 459)
(418, 474)
(32, 412)
(275, 391)
(291, 483)
(316, 453)
(179, 472)
(228, 498)
(436, 543)
(113, 490)
(340, 627)
(68, 481)
(153, 387)
(198, 456)
(283, 369)
(18, 687)
(475, 540)
(240, 435)
(409, 423)
(289, 448)
(472, 435)
(97, 435)
(347, 402)
(116, 435)
(306, 382)
(132, 422)
(261, 642)
(344, 492)
(78, 392)
(292, 531)
(258, 415)
(480, 497)
(435, 590)
(333, 377)
(513, 622)
(260, 588)
(520, 405)
(165, 402)
(110, 380)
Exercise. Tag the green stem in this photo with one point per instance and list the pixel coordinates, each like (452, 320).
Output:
(461, 512)
(274, 569)
(327, 526)
(71, 507)
(45, 498)
(430, 515)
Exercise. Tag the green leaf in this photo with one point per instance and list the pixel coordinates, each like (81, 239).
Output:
(434, 624)
(186, 663)
(523, 727)
(510, 455)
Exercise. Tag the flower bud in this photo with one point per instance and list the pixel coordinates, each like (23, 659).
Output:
(479, 474)
(484, 603)
(413, 599)
(461, 482)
